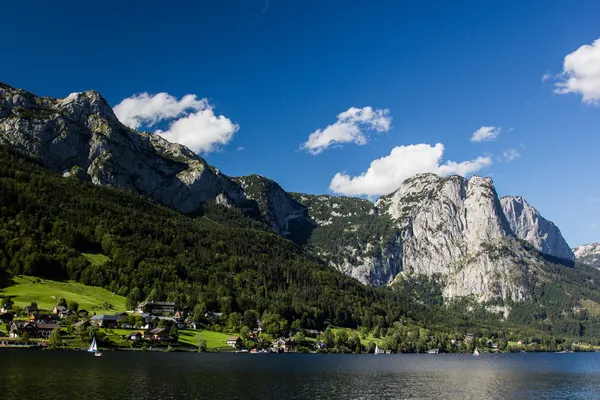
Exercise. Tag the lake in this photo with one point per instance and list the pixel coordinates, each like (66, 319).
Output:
(32, 374)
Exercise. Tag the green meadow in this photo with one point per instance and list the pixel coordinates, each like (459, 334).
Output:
(46, 293)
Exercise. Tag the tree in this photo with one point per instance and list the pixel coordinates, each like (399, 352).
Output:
(202, 344)
(62, 302)
(34, 304)
(73, 305)
(329, 338)
(251, 319)
(300, 337)
(199, 312)
(133, 298)
(174, 334)
(233, 321)
(54, 340)
(7, 301)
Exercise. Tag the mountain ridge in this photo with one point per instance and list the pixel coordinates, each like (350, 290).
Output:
(448, 226)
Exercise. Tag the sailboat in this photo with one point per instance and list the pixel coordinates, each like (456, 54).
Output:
(476, 352)
(377, 351)
(94, 348)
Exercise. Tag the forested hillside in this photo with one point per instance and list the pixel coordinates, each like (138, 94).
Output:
(219, 261)
(224, 261)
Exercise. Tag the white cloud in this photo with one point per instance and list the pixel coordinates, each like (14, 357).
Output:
(201, 131)
(546, 76)
(485, 133)
(510, 155)
(146, 110)
(194, 123)
(351, 127)
(387, 173)
(581, 73)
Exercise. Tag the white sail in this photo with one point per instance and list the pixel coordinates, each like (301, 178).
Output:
(93, 348)
(376, 349)
(476, 352)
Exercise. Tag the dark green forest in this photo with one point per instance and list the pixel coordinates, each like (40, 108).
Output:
(221, 260)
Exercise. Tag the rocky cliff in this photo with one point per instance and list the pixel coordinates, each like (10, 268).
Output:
(455, 228)
(588, 254)
(527, 224)
(352, 237)
(82, 132)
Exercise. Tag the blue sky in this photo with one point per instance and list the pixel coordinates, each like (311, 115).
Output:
(278, 71)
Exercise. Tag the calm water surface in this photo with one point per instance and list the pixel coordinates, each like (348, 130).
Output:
(73, 375)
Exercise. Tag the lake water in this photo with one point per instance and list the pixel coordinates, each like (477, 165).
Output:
(31, 374)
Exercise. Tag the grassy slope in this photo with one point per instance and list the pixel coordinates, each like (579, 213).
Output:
(213, 339)
(46, 294)
(96, 258)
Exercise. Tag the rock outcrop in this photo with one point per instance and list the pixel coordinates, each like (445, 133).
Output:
(455, 228)
(588, 254)
(527, 224)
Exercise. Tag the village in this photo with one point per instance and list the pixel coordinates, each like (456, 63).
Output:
(151, 326)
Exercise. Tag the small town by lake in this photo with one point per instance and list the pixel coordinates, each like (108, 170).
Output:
(135, 375)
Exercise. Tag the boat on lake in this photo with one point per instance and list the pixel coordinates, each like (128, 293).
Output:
(476, 352)
(94, 348)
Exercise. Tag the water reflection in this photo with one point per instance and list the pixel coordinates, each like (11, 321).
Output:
(69, 375)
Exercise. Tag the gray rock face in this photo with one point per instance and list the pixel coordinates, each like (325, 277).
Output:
(455, 228)
(82, 132)
(353, 238)
(282, 212)
(588, 254)
(527, 224)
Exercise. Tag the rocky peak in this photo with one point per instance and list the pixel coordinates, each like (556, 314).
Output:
(588, 254)
(528, 224)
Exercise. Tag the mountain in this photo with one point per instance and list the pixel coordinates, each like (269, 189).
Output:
(279, 209)
(455, 228)
(588, 254)
(450, 229)
(527, 223)
(353, 237)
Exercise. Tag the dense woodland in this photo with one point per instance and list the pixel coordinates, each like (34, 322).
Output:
(223, 261)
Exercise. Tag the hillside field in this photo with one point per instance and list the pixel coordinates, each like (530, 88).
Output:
(25, 289)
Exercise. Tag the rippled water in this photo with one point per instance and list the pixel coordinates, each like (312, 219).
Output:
(119, 375)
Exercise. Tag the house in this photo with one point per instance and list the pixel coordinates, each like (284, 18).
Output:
(43, 318)
(319, 346)
(6, 318)
(33, 330)
(213, 315)
(104, 321)
(19, 328)
(135, 336)
(234, 341)
(44, 330)
(433, 351)
(284, 345)
(469, 337)
(158, 334)
(66, 313)
(31, 309)
(59, 310)
(155, 308)
(83, 323)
